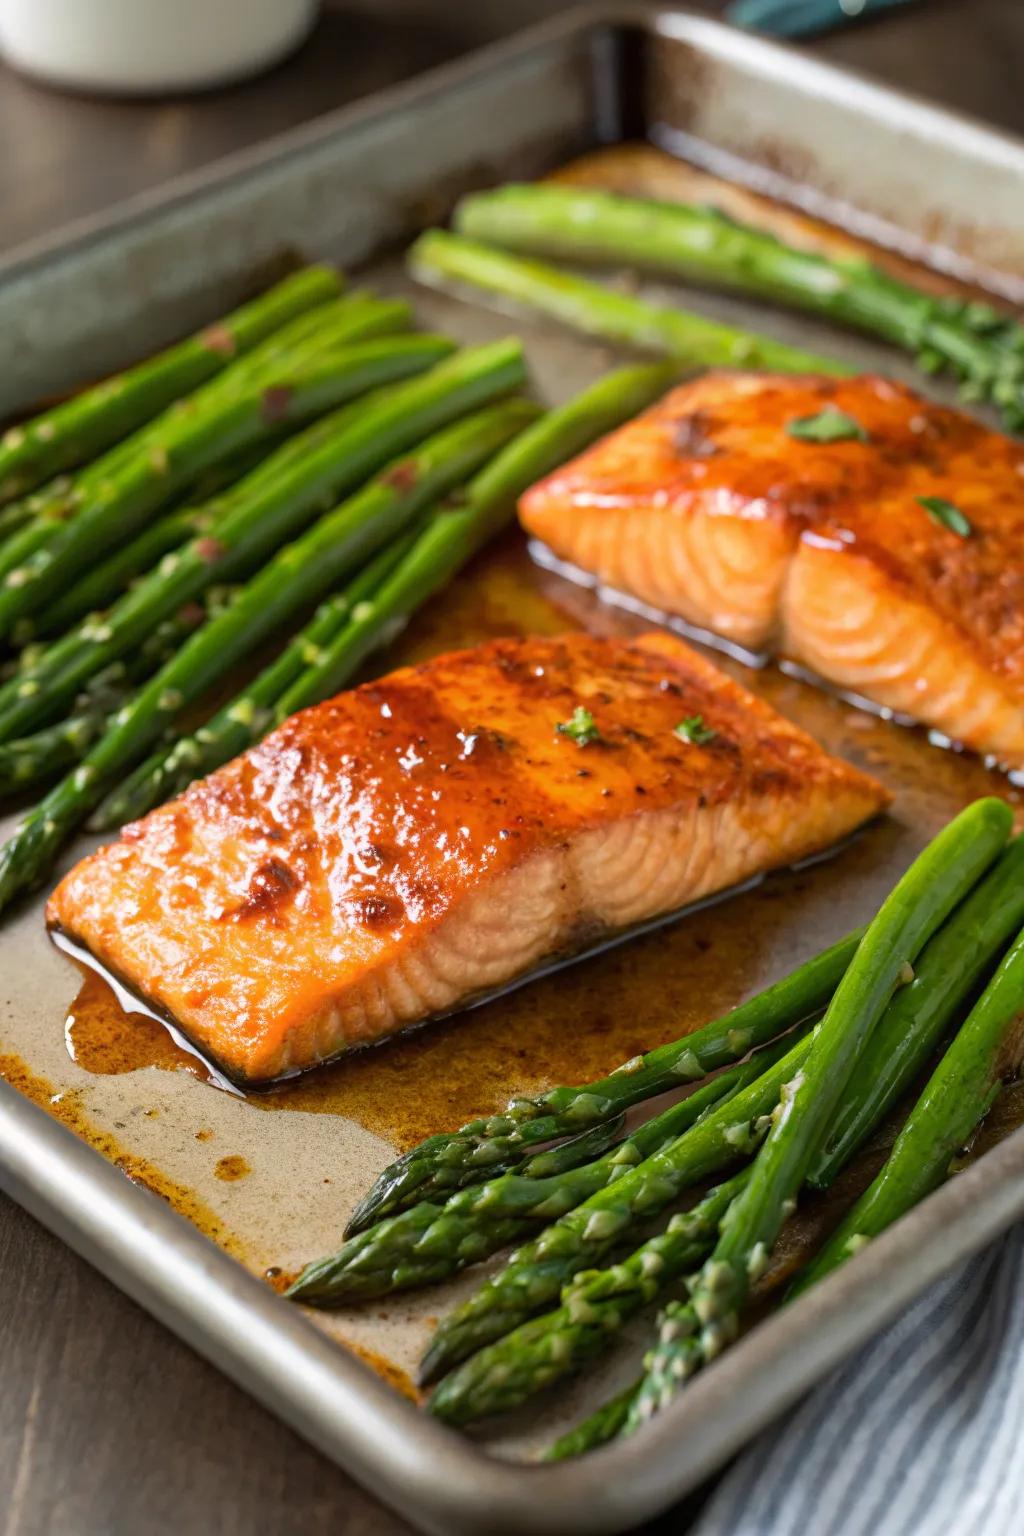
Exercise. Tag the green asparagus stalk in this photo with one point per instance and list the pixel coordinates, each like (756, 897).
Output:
(81, 427)
(552, 1162)
(701, 243)
(321, 332)
(466, 1156)
(958, 1096)
(359, 316)
(27, 544)
(297, 576)
(534, 1275)
(454, 535)
(12, 519)
(313, 335)
(950, 969)
(600, 1428)
(595, 1306)
(132, 465)
(451, 538)
(245, 718)
(437, 258)
(34, 759)
(693, 1333)
(104, 582)
(429, 1242)
(191, 442)
(270, 506)
(324, 1284)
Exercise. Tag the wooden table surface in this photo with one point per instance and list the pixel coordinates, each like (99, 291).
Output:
(108, 1425)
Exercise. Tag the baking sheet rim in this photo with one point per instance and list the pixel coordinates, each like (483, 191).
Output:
(437, 1479)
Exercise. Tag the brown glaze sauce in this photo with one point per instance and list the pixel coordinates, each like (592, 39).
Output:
(392, 1374)
(231, 1168)
(66, 1108)
(105, 1040)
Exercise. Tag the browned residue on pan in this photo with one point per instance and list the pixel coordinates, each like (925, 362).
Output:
(231, 1168)
(399, 1379)
(66, 1108)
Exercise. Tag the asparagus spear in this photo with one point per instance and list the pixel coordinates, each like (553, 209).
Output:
(314, 336)
(31, 759)
(296, 577)
(27, 543)
(358, 317)
(950, 969)
(72, 432)
(12, 519)
(602, 1426)
(466, 1156)
(189, 443)
(140, 467)
(535, 1274)
(259, 515)
(244, 719)
(445, 545)
(104, 582)
(438, 257)
(325, 1284)
(454, 535)
(957, 1098)
(48, 753)
(690, 241)
(429, 1242)
(595, 1306)
(693, 1333)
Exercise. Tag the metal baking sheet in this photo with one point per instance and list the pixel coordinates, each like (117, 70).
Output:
(353, 187)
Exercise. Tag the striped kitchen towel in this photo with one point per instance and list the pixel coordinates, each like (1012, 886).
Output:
(919, 1434)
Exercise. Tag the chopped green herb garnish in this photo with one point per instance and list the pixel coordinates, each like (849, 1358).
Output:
(828, 426)
(694, 730)
(944, 512)
(581, 728)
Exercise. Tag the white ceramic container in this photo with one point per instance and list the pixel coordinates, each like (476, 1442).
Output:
(150, 46)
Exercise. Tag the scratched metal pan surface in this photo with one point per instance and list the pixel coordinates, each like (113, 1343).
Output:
(271, 1180)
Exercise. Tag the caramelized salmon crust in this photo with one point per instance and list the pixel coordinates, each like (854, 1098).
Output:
(405, 846)
(708, 507)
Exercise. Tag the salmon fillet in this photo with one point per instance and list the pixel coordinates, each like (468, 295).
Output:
(420, 840)
(820, 553)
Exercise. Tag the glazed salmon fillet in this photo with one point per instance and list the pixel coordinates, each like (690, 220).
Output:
(423, 839)
(819, 552)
